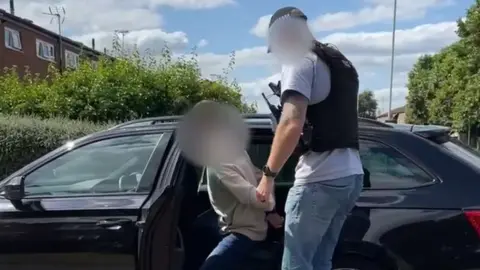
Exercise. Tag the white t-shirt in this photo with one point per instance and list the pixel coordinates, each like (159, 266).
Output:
(311, 78)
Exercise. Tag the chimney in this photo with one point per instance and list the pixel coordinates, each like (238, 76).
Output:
(93, 43)
(12, 7)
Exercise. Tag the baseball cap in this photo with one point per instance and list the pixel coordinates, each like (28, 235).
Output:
(286, 12)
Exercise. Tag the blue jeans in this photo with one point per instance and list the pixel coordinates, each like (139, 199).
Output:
(315, 214)
(230, 252)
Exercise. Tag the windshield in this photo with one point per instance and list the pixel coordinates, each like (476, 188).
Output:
(463, 152)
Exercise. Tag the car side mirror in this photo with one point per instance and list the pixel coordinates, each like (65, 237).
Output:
(15, 189)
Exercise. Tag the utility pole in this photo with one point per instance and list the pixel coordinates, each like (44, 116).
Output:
(122, 32)
(382, 102)
(59, 14)
(393, 58)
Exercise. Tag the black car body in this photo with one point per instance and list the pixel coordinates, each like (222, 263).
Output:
(125, 198)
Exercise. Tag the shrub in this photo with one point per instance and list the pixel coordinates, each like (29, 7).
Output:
(24, 139)
(129, 87)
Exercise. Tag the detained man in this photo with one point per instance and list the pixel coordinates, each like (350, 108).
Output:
(242, 218)
(215, 136)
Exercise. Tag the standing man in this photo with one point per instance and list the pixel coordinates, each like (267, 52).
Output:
(322, 87)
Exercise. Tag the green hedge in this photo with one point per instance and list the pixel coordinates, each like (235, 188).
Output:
(131, 86)
(24, 139)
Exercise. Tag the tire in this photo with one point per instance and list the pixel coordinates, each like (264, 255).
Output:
(355, 263)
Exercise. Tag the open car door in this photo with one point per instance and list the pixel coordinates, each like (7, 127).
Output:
(160, 243)
(79, 207)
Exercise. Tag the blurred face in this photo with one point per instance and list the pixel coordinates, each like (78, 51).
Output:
(290, 39)
(212, 133)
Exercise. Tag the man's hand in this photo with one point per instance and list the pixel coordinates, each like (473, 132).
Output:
(264, 189)
(275, 220)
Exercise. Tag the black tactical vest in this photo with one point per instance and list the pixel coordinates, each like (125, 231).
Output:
(334, 121)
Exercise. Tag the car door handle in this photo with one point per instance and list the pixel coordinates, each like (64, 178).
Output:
(113, 223)
(140, 224)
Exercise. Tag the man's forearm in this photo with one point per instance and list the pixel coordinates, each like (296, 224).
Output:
(288, 131)
(284, 143)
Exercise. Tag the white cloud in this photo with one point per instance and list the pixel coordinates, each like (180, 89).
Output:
(153, 40)
(105, 15)
(212, 63)
(253, 90)
(261, 27)
(84, 22)
(99, 21)
(422, 38)
(192, 4)
(202, 43)
(375, 11)
(382, 96)
(256, 88)
(370, 53)
(366, 50)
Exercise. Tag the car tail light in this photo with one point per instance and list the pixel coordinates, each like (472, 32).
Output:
(474, 219)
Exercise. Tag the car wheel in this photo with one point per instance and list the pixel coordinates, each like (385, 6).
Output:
(355, 263)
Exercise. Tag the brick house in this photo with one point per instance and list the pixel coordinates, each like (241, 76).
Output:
(398, 116)
(25, 44)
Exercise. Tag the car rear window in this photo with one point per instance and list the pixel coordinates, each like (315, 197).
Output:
(463, 152)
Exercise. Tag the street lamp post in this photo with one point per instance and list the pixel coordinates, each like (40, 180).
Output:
(393, 59)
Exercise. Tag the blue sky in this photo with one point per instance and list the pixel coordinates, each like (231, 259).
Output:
(361, 29)
(232, 25)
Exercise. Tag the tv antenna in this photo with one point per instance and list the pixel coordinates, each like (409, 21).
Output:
(59, 14)
(122, 32)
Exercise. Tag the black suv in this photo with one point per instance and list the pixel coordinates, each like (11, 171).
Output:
(125, 198)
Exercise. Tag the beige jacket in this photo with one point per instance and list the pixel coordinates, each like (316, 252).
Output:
(232, 193)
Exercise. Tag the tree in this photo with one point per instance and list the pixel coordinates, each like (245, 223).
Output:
(367, 104)
(418, 90)
(444, 88)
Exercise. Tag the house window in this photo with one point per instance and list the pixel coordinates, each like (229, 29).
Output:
(12, 39)
(71, 59)
(45, 50)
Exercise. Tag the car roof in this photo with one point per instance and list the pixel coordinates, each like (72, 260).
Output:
(264, 121)
(252, 120)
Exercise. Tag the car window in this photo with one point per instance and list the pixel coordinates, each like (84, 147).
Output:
(386, 168)
(259, 154)
(113, 165)
(463, 151)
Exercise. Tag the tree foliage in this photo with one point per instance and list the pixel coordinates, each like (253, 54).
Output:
(133, 85)
(444, 88)
(367, 104)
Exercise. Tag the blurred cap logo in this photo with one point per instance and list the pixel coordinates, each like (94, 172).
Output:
(212, 133)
